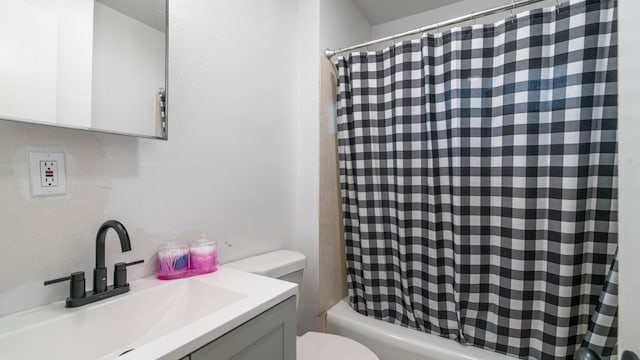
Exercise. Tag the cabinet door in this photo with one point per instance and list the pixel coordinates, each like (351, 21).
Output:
(269, 336)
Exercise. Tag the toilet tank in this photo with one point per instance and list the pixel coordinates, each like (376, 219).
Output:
(282, 264)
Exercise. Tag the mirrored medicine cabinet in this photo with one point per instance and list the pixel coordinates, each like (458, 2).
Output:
(83, 64)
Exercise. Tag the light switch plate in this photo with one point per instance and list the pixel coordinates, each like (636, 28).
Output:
(47, 173)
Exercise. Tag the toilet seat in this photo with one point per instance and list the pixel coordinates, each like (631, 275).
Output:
(321, 346)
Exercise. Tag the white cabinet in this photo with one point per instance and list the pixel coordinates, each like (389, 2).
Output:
(269, 336)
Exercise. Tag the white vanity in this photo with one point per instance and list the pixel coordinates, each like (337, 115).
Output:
(221, 315)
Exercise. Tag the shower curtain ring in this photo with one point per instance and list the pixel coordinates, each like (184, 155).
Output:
(512, 17)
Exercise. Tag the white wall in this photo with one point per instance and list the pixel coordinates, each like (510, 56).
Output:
(342, 24)
(449, 12)
(306, 231)
(322, 24)
(128, 70)
(629, 171)
(228, 169)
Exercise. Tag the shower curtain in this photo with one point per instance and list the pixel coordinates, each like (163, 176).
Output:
(478, 180)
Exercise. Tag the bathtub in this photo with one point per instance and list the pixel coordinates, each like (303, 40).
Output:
(394, 342)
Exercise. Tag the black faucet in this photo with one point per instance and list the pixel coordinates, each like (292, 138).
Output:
(100, 272)
(77, 293)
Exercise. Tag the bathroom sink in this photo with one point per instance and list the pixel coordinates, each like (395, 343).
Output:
(155, 320)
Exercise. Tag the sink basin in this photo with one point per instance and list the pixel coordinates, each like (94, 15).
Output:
(156, 319)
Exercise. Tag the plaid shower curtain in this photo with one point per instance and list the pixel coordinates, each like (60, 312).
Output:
(478, 178)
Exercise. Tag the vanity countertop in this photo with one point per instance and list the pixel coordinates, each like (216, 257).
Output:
(157, 319)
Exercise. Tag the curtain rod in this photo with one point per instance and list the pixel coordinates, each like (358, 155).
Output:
(474, 15)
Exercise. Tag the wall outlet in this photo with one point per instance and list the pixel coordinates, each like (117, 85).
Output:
(47, 171)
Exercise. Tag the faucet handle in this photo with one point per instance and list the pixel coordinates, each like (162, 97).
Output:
(120, 273)
(55, 281)
(135, 262)
(77, 288)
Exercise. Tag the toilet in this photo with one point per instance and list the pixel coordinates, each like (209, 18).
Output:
(288, 265)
